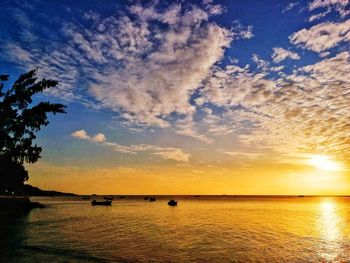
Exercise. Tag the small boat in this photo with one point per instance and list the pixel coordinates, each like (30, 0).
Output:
(145, 198)
(121, 196)
(108, 198)
(107, 202)
(196, 196)
(172, 202)
(85, 197)
(152, 199)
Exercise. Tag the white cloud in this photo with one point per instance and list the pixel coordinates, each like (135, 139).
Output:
(155, 87)
(279, 54)
(214, 9)
(159, 67)
(167, 153)
(341, 6)
(81, 134)
(237, 86)
(260, 63)
(306, 111)
(172, 154)
(290, 6)
(279, 68)
(320, 15)
(323, 36)
(237, 154)
(100, 137)
(145, 62)
(241, 32)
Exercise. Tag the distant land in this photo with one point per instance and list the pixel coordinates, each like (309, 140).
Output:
(35, 191)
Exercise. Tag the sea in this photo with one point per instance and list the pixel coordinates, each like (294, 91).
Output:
(198, 229)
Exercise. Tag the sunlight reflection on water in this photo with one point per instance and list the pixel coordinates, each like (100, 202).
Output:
(330, 231)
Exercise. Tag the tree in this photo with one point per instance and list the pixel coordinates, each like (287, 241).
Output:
(20, 120)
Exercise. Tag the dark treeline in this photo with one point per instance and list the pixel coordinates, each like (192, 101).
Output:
(20, 120)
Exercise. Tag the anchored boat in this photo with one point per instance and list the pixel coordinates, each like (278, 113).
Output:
(172, 202)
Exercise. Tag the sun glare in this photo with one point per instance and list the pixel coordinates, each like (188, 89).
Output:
(324, 162)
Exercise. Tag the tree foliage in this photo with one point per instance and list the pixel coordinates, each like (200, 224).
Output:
(20, 120)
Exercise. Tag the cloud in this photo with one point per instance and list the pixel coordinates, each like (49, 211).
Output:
(234, 85)
(339, 5)
(248, 155)
(279, 68)
(99, 138)
(241, 32)
(214, 9)
(320, 15)
(290, 6)
(322, 36)
(144, 62)
(308, 112)
(260, 63)
(157, 80)
(159, 65)
(172, 154)
(81, 134)
(305, 111)
(279, 54)
(167, 153)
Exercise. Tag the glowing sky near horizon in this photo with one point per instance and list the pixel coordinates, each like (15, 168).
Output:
(188, 97)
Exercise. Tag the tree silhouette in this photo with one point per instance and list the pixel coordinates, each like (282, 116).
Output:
(20, 120)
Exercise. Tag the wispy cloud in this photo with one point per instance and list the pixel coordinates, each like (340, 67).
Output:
(168, 153)
(144, 63)
(164, 66)
(338, 5)
(322, 36)
(279, 54)
(290, 6)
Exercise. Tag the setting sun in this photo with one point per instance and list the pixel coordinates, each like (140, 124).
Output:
(324, 162)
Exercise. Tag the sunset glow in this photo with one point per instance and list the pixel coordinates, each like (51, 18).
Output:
(207, 97)
(325, 163)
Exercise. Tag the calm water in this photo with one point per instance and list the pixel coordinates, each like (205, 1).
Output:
(221, 229)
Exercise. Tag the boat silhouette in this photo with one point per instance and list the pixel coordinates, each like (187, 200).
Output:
(172, 202)
(106, 203)
(152, 199)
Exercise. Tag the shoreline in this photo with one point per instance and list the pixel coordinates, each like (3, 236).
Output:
(17, 204)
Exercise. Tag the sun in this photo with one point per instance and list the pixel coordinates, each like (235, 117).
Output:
(324, 162)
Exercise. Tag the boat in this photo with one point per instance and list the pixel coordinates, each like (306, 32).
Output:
(172, 202)
(121, 196)
(106, 203)
(152, 199)
(108, 198)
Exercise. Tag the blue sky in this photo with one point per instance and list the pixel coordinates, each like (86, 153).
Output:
(167, 84)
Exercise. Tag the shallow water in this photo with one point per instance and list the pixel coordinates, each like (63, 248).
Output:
(202, 229)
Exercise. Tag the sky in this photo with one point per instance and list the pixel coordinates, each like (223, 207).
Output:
(182, 97)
